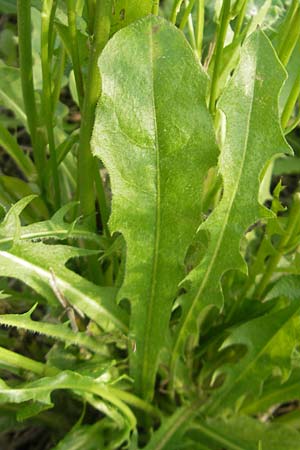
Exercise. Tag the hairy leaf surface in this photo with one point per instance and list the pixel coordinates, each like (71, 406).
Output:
(155, 137)
(250, 97)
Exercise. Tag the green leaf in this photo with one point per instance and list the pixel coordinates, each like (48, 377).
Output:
(251, 94)
(11, 91)
(244, 433)
(126, 11)
(58, 228)
(60, 332)
(275, 393)
(155, 137)
(89, 437)
(270, 341)
(170, 433)
(40, 391)
(287, 286)
(8, 6)
(11, 146)
(42, 267)
(13, 189)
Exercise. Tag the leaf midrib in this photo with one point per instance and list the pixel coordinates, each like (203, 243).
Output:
(223, 229)
(62, 283)
(150, 306)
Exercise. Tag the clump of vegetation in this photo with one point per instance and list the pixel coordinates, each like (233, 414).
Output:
(150, 224)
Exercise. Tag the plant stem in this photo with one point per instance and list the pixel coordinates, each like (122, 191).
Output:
(85, 158)
(75, 50)
(186, 14)
(135, 401)
(57, 75)
(221, 35)
(287, 23)
(155, 8)
(47, 16)
(9, 143)
(91, 5)
(13, 359)
(291, 101)
(295, 123)
(292, 37)
(240, 19)
(200, 26)
(191, 30)
(293, 223)
(175, 10)
(101, 200)
(25, 55)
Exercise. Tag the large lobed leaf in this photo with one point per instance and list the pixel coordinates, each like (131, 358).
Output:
(155, 137)
(253, 137)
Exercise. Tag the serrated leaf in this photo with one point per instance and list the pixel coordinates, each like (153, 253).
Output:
(251, 94)
(155, 137)
(244, 433)
(58, 228)
(10, 228)
(60, 332)
(42, 267)
(270, 341)
(275, 393)
(41, 390)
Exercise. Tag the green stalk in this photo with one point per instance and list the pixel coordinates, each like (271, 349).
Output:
(240, 19)
(191, 30)
(293, 224)
(47, 16)
(91, 5)
(9, 143)
(186, 14)
(25, 55)
(135, 401)
(155, 8)
(291, 102)
(221, 35)
(75, 50)
(200, 26)
(13, 359)
(291, 39)
(287, 23)
(85, 157)
(295, 123)
(101, 200)
(58, 73)
(175, 10)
